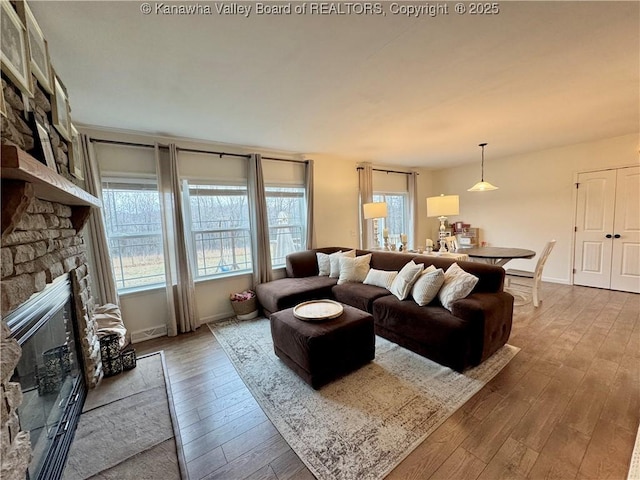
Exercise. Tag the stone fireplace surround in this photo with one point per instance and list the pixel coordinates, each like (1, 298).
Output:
(42, 219)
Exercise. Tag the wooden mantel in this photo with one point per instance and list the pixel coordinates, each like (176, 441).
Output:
(24, 177)
(47, 184)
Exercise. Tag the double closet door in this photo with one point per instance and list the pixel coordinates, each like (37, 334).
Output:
(607, 240)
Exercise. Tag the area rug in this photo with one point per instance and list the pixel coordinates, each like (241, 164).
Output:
(127, 429)
(364, 424)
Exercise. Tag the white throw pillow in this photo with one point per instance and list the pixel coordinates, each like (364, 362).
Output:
(354, 269)
(324, 264)
(427, 285)
(405, 279)
(457, 284)
(334, 258)
(380, 278)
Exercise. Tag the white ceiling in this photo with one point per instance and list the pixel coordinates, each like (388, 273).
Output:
(389, 88)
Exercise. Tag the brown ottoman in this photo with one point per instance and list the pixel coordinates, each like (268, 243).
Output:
(322, 351)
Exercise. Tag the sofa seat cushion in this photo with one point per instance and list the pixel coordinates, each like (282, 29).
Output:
(431, 331)
(289, 292)
(358, 295)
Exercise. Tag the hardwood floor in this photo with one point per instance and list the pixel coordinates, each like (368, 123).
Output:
(566, 407)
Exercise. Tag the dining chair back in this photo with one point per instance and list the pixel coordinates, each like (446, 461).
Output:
(451, 243)
(529, 291)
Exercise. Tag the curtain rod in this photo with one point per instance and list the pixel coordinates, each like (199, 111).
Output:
(388, 171)
(191, 150)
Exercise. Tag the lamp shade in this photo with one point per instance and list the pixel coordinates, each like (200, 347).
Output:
(374, 210)
(443, 206)
(482, 187)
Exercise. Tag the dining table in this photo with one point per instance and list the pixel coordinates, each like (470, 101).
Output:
(497, 255)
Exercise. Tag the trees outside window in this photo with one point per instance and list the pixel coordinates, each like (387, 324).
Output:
(133, 224)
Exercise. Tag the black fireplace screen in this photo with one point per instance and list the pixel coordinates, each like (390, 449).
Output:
(50, 375)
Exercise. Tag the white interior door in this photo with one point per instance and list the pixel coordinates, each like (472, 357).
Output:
(625, 260)
(594, 228)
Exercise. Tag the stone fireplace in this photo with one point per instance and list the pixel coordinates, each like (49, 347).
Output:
(43, 215)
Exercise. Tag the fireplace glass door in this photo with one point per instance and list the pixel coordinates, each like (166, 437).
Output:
(49, 372)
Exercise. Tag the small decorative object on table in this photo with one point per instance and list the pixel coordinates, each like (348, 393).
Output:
(428, 246)
(318, 310)
(244, 304)
(385, 236)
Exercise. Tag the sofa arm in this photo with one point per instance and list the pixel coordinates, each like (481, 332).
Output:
(490, 316)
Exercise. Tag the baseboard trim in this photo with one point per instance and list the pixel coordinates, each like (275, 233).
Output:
(148, 333)
(563, 281)
(217, 317)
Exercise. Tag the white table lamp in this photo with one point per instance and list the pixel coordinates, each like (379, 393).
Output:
(442, 207)
(374, 211)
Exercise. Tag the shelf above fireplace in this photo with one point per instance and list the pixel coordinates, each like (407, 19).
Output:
(47, 184)
(24, 177)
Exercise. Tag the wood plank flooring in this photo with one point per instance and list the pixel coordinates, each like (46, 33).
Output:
(566, 407)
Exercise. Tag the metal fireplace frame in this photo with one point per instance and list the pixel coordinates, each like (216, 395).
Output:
(23, 323)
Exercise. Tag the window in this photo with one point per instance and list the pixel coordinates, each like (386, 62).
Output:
(220, 235)
(397, 212)
(134, 232)
(286, 209)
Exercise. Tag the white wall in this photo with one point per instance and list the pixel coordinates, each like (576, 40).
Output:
(335, 201)
(536, 197)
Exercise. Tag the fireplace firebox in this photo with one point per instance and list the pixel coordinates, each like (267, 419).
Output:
(50, 375)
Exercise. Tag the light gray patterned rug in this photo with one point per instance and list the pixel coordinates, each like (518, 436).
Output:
(364, 424)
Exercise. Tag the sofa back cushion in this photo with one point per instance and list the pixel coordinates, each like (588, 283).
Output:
(305, 263)
(390, 261)
(490, 277)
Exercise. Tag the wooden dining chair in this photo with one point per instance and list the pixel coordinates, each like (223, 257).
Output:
(529, 291)
(451, 243)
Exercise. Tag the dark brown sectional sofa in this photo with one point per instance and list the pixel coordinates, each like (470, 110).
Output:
(472, 331)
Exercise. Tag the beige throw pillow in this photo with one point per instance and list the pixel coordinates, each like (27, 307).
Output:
(457, 284)
(324, 264)
(334, 258)
(354, 269)
(405, 279)
(427, 285)
(380, 278)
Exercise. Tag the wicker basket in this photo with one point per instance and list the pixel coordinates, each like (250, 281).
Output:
(245, 307)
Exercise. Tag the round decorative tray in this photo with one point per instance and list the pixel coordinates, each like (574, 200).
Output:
(317, 310)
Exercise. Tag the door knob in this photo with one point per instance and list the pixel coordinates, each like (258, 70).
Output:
(617, 235)
(608, 235)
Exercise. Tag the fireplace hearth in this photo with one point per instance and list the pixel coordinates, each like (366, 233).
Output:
(50, 376)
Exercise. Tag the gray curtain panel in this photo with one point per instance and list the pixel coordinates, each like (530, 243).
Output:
(260, 244)
(308, 187)
(365, 190)
(412, 188)
(104, 285)
(181, 298)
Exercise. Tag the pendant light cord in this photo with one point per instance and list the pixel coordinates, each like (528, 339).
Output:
(482, 145)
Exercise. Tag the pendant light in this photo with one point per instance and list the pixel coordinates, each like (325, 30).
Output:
(482, 186)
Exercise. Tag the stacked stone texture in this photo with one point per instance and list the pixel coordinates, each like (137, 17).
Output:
(43, 246)
(84, 305)
(15, 445)
(17, 131)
